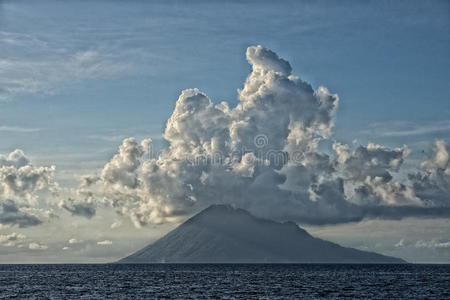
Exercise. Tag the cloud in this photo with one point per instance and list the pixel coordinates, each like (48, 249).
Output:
(20, 183)
(83, 203)
(371, 161)
(21, 76)
(11, 215)
(400, 243)
(16, 159)
(18, 129)
(85, 208)
(121, 170)
(19, 240)
(405, 129)
(116, 224)
(19, 179)
(368, 173)
(432, 182)
(263, 155)
(20, 39)
(105, 243)
(12, 239)
(432, 244)
(74, 241)
(267, 60)
(37, 246)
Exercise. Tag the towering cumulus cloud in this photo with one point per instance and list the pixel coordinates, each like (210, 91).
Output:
(263, 155)
(432, 182)
(20, 181)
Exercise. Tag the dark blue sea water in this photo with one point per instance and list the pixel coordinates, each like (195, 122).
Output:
(164, 281)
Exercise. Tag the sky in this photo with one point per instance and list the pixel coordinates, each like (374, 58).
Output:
(78, 79)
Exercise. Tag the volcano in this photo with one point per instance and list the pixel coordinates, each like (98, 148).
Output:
(223, 234)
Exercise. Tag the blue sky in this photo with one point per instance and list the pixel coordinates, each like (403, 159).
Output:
(388, 61)
(77, 77)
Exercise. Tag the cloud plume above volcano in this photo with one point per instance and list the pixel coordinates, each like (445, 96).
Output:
(263, 155)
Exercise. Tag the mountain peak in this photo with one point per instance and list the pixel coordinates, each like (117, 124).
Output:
(220, 211)
(221, 208)
(225, 234)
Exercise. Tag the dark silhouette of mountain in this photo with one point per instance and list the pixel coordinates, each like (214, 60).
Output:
(223, 234)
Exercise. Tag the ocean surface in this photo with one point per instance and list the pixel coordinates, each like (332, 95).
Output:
(229, 281)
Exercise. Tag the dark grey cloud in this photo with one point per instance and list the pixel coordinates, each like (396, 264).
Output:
(346, 213)
(12, 215)
(79, 208)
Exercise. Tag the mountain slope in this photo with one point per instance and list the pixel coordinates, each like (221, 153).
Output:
(222, 234)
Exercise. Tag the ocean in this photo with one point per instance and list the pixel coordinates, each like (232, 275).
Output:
(224, 281)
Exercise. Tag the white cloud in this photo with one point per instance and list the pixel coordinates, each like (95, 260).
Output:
(171, 184)
(371, 161)
(20, 183)
(21, 76)
(400, 243)
(12, 239)
(105, 243)
(18, 129)
(20, 179)
(121, 170)
(432, 182)
(432, 244)
(116, 224)
(37, 246)
(262, 155)
(74, 241)
(404, 129)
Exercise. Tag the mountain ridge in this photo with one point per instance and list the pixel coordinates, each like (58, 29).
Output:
(223, 234)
